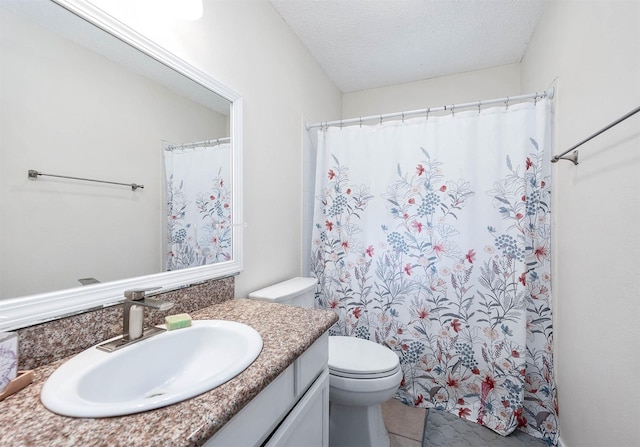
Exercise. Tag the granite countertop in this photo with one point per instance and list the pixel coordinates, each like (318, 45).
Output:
(286, 332)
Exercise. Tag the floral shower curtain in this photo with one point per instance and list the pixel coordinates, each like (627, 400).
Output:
(198, 206)
(432, 237)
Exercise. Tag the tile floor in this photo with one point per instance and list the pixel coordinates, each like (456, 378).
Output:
(405, 425)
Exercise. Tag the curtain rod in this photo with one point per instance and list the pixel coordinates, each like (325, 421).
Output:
(198, 144)
(574, 157)
(453, 107)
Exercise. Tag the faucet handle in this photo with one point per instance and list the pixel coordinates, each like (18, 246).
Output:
(138, 294)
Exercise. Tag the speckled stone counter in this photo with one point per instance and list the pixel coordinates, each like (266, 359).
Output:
(286, 332)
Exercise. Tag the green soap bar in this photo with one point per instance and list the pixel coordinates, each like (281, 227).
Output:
(177, 321)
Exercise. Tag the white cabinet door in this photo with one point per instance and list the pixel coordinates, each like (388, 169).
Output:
(311, 364)
(308, 423)
(253, 423)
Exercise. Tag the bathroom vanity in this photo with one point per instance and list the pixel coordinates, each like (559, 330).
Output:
(282, 398)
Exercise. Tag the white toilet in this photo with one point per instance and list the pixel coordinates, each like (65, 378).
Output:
(362, 375)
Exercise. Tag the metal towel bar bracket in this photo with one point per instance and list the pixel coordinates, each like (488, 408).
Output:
(574, 156)
(33, 175)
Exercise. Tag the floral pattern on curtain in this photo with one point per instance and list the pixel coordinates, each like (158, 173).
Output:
(433, 238)
(198, 206)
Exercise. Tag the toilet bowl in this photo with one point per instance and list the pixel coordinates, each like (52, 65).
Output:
(362, 375)
(362, 372)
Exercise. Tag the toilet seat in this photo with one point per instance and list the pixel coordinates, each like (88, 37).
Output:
(357, 358)
(381, 375)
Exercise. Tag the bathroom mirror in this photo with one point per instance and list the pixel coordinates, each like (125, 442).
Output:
(85, 96)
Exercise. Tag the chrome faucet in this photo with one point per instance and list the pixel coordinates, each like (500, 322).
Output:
(138, 298)
(134, 319)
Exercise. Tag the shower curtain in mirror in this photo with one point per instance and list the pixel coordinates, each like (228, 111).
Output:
(198, 202)
(432, 237)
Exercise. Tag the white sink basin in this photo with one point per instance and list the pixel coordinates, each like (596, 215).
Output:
(159, 371)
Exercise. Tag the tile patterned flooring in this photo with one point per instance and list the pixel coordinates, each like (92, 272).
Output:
(405, 425)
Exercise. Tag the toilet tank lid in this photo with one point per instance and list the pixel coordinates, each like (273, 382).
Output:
(286, 289)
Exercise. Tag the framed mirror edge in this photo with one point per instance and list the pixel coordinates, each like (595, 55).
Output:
(20, 312)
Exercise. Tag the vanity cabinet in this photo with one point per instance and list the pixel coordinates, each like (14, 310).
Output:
(293, 410)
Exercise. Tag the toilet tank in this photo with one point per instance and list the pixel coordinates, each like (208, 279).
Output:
(296, 291)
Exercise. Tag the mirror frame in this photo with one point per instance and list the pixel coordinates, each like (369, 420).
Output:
(29, 310)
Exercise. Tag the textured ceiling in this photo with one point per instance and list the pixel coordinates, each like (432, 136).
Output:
(365, 44)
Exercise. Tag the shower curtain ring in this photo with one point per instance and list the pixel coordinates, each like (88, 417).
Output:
(428, 110)
(381, 120)
(453, 109)
(535, 99)
(507, 103)
(360, 121)
(479, 104)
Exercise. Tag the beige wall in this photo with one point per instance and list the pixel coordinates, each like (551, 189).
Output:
(593, 49)
(460, 88)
